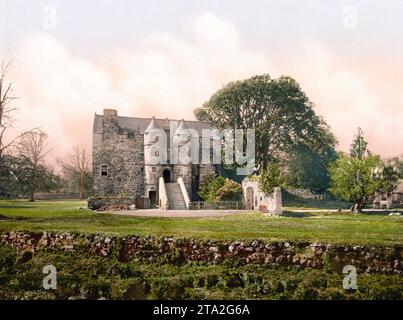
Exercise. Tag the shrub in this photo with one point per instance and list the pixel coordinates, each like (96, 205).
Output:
(110, 202)
(270, 178)
(220, 189)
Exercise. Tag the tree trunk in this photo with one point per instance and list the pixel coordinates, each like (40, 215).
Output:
(81, 185)
(33, 187)
(357, 207)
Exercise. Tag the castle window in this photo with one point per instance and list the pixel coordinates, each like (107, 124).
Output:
(104, 170)
(157, 138)
(154, 169)
(157, 153)
(130, 135)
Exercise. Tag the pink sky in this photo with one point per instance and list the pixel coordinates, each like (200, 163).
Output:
(168, 75)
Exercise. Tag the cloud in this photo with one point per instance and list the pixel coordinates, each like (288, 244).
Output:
(168, 75)
(352, 93)
(165, 76)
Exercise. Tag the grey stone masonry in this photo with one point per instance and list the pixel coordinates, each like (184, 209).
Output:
(120, 154)
(175, 197)
(120, 166)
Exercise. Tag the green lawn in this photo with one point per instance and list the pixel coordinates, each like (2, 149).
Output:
(72, 216)
(292, 201)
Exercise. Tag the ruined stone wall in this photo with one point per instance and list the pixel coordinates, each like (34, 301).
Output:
(366, 259)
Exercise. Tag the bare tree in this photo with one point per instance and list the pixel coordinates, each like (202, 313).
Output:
(32, 148)
(77, 166)
(6, 108)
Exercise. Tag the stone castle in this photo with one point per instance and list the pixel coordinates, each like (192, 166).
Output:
(122, 161)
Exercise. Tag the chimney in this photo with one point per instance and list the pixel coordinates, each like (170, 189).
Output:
(110, 113)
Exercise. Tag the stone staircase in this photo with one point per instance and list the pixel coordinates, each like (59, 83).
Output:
(175, 197)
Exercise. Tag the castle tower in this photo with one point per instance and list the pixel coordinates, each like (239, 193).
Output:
(151, 136)
(154, 159)
(183, 168)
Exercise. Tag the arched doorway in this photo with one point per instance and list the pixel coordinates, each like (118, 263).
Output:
(249, 198)
(166, 174)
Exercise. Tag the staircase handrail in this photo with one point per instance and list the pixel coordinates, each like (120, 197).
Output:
(162, 194)
(184, 193)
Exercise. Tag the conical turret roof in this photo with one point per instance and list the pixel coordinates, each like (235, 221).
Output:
(181, 128)
(152, 125)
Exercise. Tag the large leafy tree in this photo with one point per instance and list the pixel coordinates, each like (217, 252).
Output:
(391, 173)
(277, 109)
(359, 176)
(355, 180)
(307, 168)
(16, 178)
(9, 179)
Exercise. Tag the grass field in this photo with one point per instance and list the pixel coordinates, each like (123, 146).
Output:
(72, 216)
(82, 276)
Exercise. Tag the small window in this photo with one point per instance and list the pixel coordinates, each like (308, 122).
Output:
(157, 153)
(189, 152)
(154, 169)
(157, 138)
(188, 138)
(104, 170)
(130, 135)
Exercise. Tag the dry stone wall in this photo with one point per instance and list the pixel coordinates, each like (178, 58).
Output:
(367, 259)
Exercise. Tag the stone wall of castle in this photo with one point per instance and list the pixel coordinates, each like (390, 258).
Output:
(205, 170)
(122, 153)
(184, 171)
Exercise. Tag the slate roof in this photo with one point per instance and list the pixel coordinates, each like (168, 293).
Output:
(152, 125)
(141, 124)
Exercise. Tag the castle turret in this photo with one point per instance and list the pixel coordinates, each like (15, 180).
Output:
(155, 149)
(182, 138)
(150, 134)
(182, 135)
